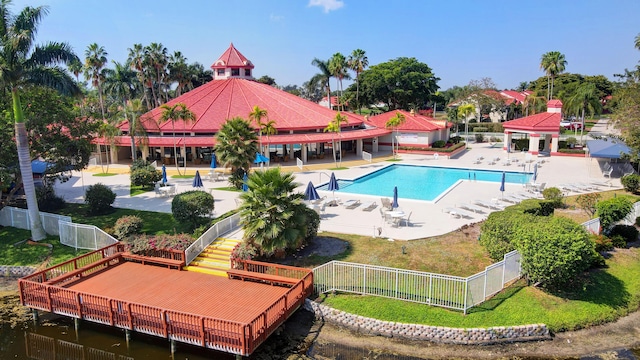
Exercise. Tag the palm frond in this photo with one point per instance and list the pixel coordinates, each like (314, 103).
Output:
(53, 77)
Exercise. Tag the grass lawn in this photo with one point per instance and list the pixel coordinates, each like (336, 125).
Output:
(24, 255)
(105, 174)
(228, 188)
(182, 176)
(137, 190)
(339, 168)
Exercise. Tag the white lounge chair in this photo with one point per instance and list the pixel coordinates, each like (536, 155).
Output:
(489, 205)
(471, 207)
(465, 213)
(351, 204)
(453, 212)
(369, 206)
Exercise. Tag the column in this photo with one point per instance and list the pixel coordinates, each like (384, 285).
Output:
(507, 139)
(554, 143)
(359, 144)
(374, 144)
(534, 143)
(114, 153)
(304, 153)
(547, 142)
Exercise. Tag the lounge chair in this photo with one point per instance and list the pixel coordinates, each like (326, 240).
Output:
(471, 207)
(507, 162)
(602, 183)
(569, 187)
(465, 213)
(351, 204)
(489, 205)
(369, 206)
(478, 160)
(453, 212)
(386, 203)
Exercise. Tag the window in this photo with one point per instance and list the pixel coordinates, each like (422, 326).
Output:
(220, 72)
(247, 72)
(235, 72)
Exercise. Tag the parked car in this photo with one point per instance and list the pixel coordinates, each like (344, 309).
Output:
(572, 125)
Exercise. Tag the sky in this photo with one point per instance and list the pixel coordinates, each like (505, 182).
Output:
(459, 40)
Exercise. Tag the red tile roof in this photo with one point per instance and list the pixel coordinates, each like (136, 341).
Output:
(334, 100)
(517, 95)
(546, 121)
(216, 101)
(414, 122)
(232, 58)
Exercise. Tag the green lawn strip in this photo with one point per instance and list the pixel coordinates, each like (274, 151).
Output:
(105, 174)
(24, 254)
(228, 188)
(137, 190)
(339, 168)
(182, 176)
(606, 295)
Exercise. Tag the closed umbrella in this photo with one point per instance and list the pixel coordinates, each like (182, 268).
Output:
(310, 193)
(197, 180)
(502, 183)
(245, 186)
(164, 174)
(535, 172)
(394, 204)
(333, 185)
(213, 161)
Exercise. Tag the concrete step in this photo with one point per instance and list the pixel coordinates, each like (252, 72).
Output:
(204, 270)
(222, 264)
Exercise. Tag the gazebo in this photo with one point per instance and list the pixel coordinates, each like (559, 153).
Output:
(543, 126)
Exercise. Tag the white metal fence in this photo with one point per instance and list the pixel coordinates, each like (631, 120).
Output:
(19, 218)
(366, 156)
(447, 291)
(82, 236)
(214, 232)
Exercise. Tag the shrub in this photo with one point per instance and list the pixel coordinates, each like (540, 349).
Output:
(554, 250)
(571, 141)
(191, 207)
(628, 232)
(127, 226)
(529, 206)
(554, 195)
(455, 139)
(497, 231)
(631, 182)
(479, 138)
(313, 223)
(244, 251)
(146, 177)
(147, 245)
(439, 144)
(99, 197)
(48, 200)
(480, 129)
(587, 202)
(139, 164)
(494, 139)
(618, 241)
(613, 210)
(602, 243)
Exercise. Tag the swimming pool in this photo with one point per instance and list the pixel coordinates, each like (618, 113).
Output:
(421, 182)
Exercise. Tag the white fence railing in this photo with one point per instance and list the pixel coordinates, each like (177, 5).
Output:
(80, 236)
(218, 229)
(593, 225)
(19, 218)
(447, 291)
(366, 156)
(299, 163)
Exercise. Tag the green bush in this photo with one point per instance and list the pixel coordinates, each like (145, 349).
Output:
(127, 226)
(554, 250)
(48, 200)
(146, 177)
(554, 195)
(439, 144)
(313, 223)
(602, 243)
(455, 139)
(529, 206)
(631, 182)
(628, 232)
(571, 141)
(613, 210)
(480, 129)
(618, 241)
(479, 138)
(192, 207)
(139, 164)
(497, 231)
(244, 251)
(99, 197)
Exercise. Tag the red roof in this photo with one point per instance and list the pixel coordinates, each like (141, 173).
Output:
(232, 58)
(546, 121)
(414, 122)
(334, 101)
(517, 95)
(218, 100)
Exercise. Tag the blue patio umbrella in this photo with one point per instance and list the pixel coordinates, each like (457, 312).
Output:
(197, 181)
(310, 193)
(394, 204)
(164, 174)
(535, 172)
(260, 159)
(502, 183)
(245, 186)
(213, 161)
(333, 185)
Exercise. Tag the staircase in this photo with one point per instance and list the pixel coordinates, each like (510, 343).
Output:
(214, 260)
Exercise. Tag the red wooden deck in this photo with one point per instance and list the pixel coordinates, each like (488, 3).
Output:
(235, 316)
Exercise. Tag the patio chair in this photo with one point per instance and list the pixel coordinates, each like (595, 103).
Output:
(369, 206)
(464, 213)
(156, 189)
(386, 203)
(406, 220)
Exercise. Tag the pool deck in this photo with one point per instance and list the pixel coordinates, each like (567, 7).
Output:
(427, 219)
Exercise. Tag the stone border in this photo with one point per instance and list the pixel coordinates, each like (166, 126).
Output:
(16, 271)
(437, 334)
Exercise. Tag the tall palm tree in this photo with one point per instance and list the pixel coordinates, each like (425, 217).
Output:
(95, 59)
(21, 64)
(180, 72)
(187, 116)
(357, 62)
(335, 126)
(585, 99)
(158, 60)
(268, 128)
(120, 82)
(108, 132)
(170, 113)
(236, 147)
(136, 60)
(273, 215)
(256, 115)
(75, 67)
(637, 42)
(323, 76)
(463, 112)
(133, 109)
(338, 68)
(553, 63)
(394, 123)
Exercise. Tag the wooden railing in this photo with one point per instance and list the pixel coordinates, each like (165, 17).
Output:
(36, 291)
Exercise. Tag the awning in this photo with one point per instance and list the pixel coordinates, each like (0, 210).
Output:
(607, 148)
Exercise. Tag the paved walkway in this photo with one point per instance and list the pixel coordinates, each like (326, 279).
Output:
(427, 219)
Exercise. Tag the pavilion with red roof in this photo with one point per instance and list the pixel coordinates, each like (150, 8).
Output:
(416, 131)
(543, 126)
(233, 93)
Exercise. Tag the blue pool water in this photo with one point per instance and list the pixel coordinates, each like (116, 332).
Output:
(421, 182)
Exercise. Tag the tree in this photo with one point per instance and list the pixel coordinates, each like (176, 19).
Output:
(266, 79)
(357, 62)
(553, 63)
(268, 128)
(394, 123)
(236, 147)
(273, 216)
(535, 103)
(178, 111)
(256, 115)
(335, 126)
(338, 68)
(157, 60)
(136, 60)
(120, 83)
(463, 112)
(109, 132)
(523, 86)
(133, 109)
(22, 63)
(180, 72)
(187, 116)
(323, 76)
(586, 99)
(612, 210)
(587, 202)
(95, 59)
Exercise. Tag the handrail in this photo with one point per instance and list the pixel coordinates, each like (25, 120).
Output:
(270, 268)
(210, 236)
(323, 173)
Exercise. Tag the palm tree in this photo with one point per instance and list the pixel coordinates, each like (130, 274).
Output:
(338, 68)
(120, 83)
(334, 126)
(187, 116)
(236, 147)
(553, 63)
(95, 59)
(170, 113)
(256, 115)
(536, 103)
(133, 109)
(157, 58)
(523, 86)
(273, 215)
(637, 42)
(22, 64)
(585, 99)
(268, 128)
(394, 123)
(76, 69)
(108, 132)
(463, 112)
(136, 60)
(180, 72)
(323, 76)
(357, 62)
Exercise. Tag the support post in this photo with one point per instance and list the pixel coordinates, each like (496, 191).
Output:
(127, 336)
(34, 313)
(174, 347)
(76, 324)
